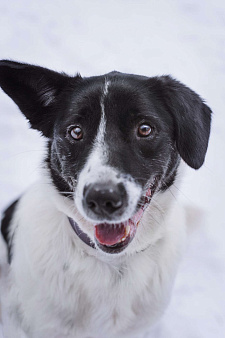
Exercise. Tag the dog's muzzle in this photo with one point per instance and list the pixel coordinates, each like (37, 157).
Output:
(105, 203)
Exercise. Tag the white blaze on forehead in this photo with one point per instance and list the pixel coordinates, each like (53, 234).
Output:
(106, 87)
(93, 170)
(102, 126)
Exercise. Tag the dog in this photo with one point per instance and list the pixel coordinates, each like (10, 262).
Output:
(92, 249)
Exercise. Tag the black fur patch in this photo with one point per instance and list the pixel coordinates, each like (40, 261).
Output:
(5, 227)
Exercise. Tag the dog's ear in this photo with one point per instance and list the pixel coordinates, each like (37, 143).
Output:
(35, 90)
(192, 120)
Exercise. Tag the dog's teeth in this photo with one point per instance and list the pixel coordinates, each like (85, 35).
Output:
(127, 231)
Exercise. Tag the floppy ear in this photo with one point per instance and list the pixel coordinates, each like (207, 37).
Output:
(35, 90)
(192, 120)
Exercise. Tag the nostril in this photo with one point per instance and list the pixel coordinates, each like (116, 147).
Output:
(110, 207)
(113, 204)
(108, 204)
(91, 204)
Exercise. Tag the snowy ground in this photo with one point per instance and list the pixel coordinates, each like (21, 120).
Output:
(182, 38)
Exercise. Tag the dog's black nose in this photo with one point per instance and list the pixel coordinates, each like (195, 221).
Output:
(105, 200)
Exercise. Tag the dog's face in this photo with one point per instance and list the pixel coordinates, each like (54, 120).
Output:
(112, 145)
(114, 141)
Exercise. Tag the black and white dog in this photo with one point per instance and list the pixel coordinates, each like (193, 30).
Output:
(91, 251)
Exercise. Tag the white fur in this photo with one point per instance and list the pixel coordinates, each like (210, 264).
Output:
(59, 287)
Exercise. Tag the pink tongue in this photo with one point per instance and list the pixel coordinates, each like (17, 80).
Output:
(109, 234)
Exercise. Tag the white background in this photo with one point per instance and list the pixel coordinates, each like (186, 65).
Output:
(182, 38)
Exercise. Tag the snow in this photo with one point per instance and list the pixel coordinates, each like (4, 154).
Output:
(183, 38)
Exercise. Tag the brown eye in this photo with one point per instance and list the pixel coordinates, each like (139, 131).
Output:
(144, 130)
(76, 133)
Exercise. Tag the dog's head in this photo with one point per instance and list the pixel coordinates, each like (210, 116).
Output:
(114, 140)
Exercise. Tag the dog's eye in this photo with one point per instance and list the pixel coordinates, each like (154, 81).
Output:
(144, 130)
(76, 133)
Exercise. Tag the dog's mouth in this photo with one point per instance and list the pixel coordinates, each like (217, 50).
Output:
(114, 238)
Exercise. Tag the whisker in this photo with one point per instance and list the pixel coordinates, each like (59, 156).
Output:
(180, 192)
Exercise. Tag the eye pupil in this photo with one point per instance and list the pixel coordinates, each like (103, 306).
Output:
(144, 130)
(76, 133)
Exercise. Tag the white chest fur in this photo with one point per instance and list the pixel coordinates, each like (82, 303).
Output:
(60, 287)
